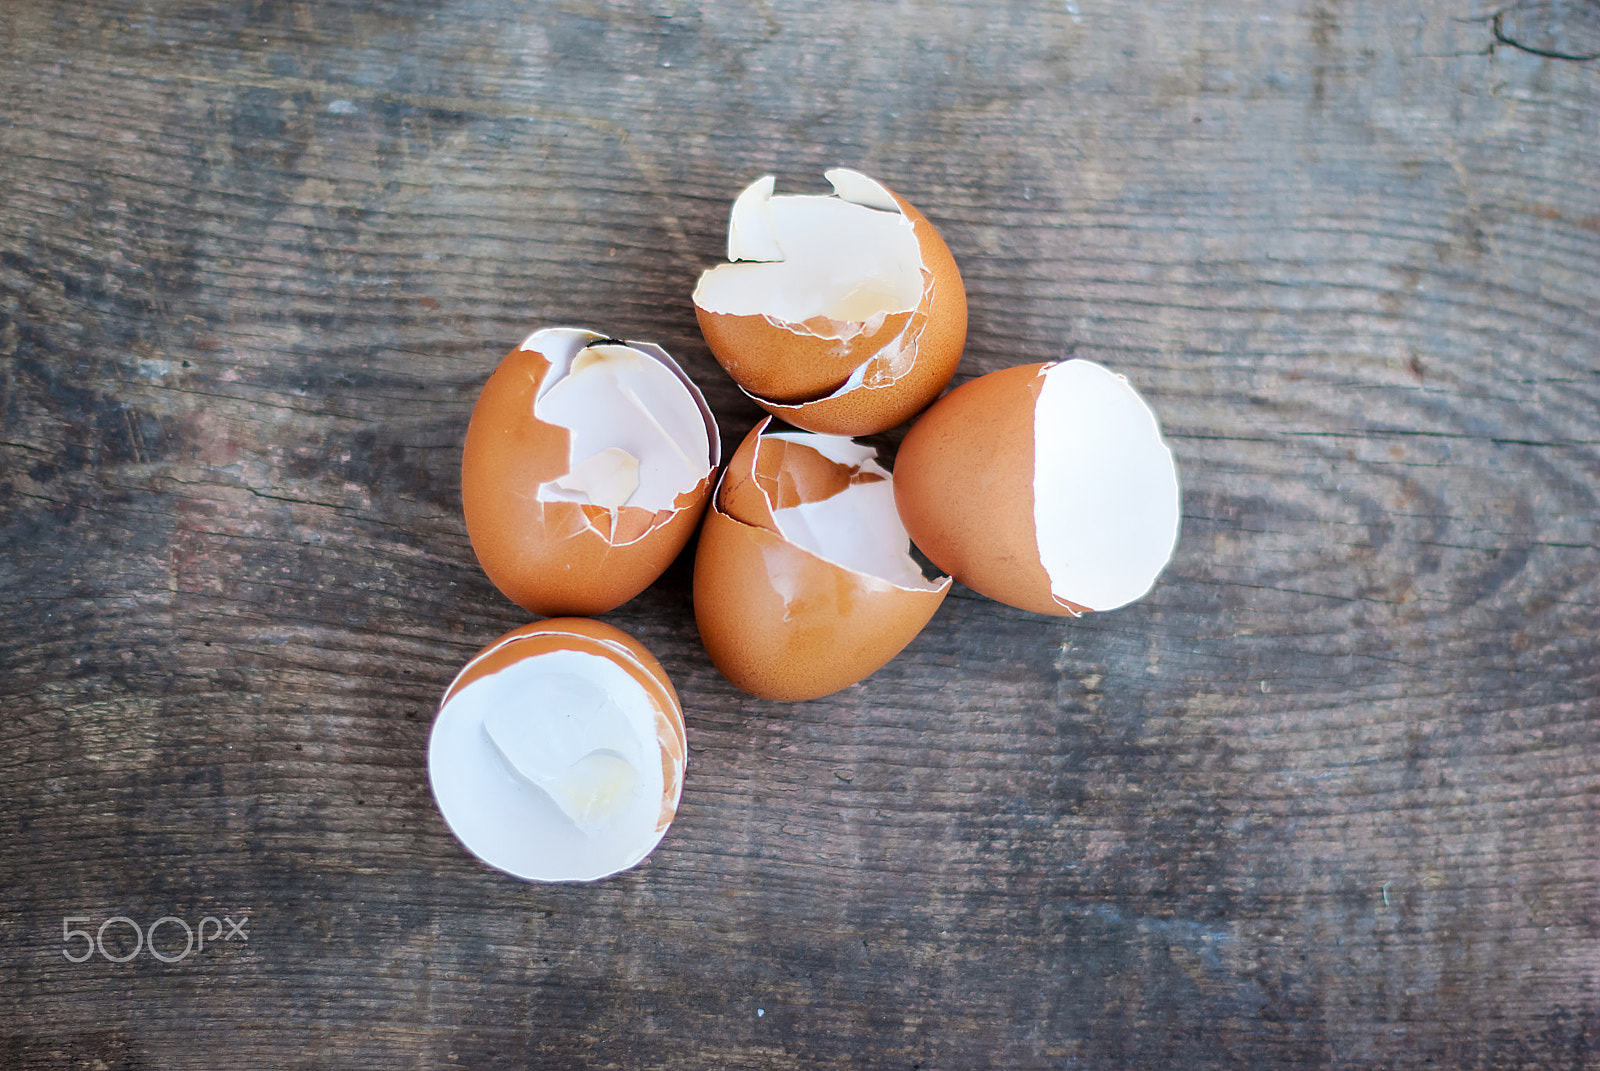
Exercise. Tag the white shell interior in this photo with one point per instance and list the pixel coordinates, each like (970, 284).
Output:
(1105, 487)
(550, 769)
(638, 436)
(859, 528)
(850, 257)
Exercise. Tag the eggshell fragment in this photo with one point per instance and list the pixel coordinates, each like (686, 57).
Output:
(558, 752)
(1046, 487)
(841, 313)
(586, 467)
(803, 580)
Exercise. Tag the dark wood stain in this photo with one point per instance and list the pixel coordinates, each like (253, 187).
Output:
(1326, 798)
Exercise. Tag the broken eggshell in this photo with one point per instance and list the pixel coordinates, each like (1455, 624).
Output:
(803, 579)
(558, 752)
(839, 313)
(1046, 487)
(586, 467)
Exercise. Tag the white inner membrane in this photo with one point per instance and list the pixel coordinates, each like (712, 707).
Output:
(1105, 488)
(859, 528)
(638, 437)
(851, 257)
(550, 769)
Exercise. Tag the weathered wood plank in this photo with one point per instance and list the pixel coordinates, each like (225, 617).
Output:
(1327, 797)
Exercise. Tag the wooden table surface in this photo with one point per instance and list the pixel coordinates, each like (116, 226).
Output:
(1327, 797)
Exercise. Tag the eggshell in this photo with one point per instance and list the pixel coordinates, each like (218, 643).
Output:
(1046, 487)
(785, 622)
(511, 822)
(840, 376)
(544, 549)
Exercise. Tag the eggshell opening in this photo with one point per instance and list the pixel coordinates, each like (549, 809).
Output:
(804, 583)
(855, 524)
(636, 437)
(586, 466)
(557, 754)
(1105, 498)
(842, 313)
(830, 264)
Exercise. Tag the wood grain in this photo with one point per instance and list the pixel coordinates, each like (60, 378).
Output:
(1328, 797)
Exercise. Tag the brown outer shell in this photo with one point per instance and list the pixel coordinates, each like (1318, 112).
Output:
(825, 630)
(777, 620)
(740, 495)
(963, 483)
(768, 360)
(607, 641)
(555, 558)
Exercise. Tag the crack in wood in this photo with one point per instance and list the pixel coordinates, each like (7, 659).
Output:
(1555, 29)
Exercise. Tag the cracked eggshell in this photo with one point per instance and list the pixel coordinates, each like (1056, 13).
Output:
(558, 752)
(587, 465)
(841, 313)
(803, 580)
(1046, 487)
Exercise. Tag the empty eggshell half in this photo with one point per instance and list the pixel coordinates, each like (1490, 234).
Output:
(803, 579)
(558, 752)
(841, 313)
(1047, 487)
(586, 467)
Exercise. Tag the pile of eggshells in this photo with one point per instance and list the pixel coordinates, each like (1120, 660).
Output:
(558, 752)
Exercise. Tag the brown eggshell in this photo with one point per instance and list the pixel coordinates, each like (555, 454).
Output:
(771, 361)
(598, 638)
(884, 400)
(770, 473)
(777, 620)
(797, 376)
(963, 483)
(740, 495)
(781, 623)
(555, 558)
